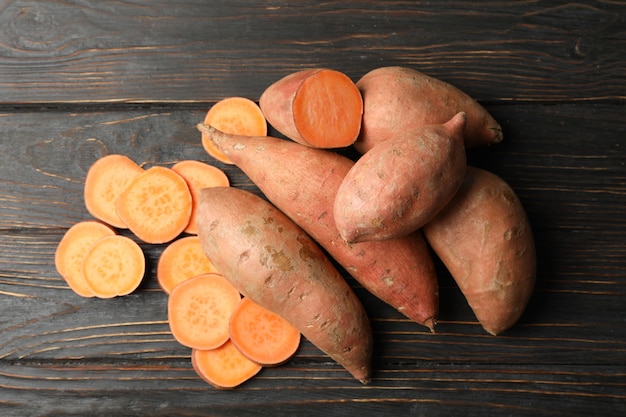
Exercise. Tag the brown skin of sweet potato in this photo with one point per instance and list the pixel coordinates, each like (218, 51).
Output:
(400, 184)
(271, 260)
(398, 99)
(302, 182)
(277, 99)
(484, 238)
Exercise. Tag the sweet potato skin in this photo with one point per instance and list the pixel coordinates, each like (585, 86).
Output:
(276, 101)
(400, 184)
(269, 259)
(397, 99)
(302, 182)
(484, 238)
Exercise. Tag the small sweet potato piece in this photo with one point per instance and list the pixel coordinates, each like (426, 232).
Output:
(261, 335)
(156, 205)
(198, 175)
(70, 253)
(397, 99)
(224, 367)
(321, 108)
(181, 260)
(485, 240)
(269, 259)
(199, 310)
(400, 184)
(302, 182)
(237, 115)
(105, 181)
(113, 266)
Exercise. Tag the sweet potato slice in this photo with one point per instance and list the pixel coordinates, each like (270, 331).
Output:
(105, 180)
(71, 250)
(485, 240)
(181, 260)
(155, 205)
(224, 367)
(198, 175)
(113, 266)
(269, 259)
(262, 335)
(199, 311)
(236, 115)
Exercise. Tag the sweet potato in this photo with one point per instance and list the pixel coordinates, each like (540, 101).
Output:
(269, 259)
(484, 239)
(400, 184)
(318, 107)
(302, 182)
(398, 99)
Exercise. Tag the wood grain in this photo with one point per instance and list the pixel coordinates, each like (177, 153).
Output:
(111, 52)
(80, 79)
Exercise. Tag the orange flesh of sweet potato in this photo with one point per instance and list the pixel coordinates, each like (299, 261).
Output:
(71, 250)
(105, 180)
(269, 259)
(302, 182)
(155, 205)
(113, 266)
(224, 367)
(397, 99)
(484, 239)
(237, 115)
(400, 184)
(262, 335)
(321, 108)
(199, 311)
(181, 260)
(198, 175)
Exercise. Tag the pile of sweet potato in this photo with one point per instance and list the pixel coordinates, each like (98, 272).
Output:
(380, 217)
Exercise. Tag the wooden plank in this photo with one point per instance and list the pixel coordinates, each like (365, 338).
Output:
(572, 154)
(198, 51)
(406, 389)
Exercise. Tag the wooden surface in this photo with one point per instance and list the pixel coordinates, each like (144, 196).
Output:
(82, 79)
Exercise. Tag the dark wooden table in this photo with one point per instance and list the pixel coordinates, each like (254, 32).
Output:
(82, 79)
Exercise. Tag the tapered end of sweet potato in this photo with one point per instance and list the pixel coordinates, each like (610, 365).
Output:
(206, 130)
(430, 324)
(496, 131)
(214, 136)
(457, 123)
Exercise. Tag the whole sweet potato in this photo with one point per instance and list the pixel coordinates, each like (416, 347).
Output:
(484, 239)
(302, 182)
(271, 260)
(397, 99)
(319, 107)
(400, 184)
